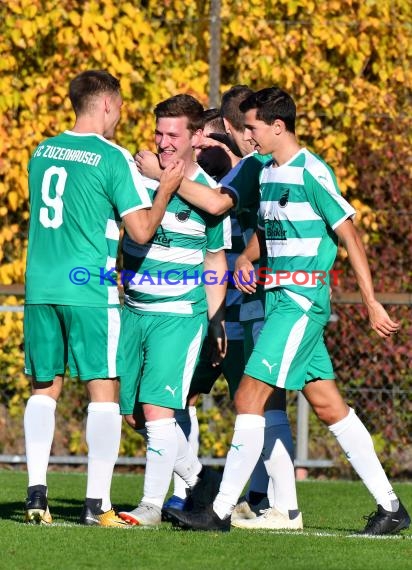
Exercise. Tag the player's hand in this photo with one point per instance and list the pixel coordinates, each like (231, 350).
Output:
(209, 142)
(244, 275)
(380, 321)
(172, 177)
(148, 164)
(217, 342)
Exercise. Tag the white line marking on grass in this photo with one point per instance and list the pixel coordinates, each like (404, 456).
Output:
(382, 537)
(337, 535)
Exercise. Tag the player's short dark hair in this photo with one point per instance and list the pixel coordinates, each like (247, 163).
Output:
(231, 100)
(213, 119)
(182, 106)
(272, 103)
(88, 84)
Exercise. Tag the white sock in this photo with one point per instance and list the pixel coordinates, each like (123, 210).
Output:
(187, 464)
(103, 431)
(244, 453)
(189, 424)
(278, 457)
(161, 455)
(39, 423)
(357, 444)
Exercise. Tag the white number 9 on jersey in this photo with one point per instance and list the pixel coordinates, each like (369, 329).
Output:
(56, 203)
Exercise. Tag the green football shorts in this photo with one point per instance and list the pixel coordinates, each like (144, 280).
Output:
(161, 353)
(84, 338)
(290, 350)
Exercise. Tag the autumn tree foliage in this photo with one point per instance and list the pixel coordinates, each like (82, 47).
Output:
(346, 62)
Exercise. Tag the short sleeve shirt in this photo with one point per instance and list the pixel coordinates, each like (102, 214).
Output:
(80, 185)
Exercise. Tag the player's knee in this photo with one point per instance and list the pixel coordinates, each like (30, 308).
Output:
(249, 398)
(240, 402)
(330, 413)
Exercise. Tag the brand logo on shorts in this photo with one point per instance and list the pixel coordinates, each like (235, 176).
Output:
(171, 390)
(237, 447)
(269, 366)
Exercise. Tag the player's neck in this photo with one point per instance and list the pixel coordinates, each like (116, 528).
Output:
(88, 125)
(285, 151)
(234, 160)
(190, 168)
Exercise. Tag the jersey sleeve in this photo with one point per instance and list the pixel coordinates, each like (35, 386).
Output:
(325, 198)
(218, 233)
(243, 182)
(128, 191)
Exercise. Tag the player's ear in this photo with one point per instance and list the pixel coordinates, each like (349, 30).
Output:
(227, 125)
(107, 104)
(197, 138)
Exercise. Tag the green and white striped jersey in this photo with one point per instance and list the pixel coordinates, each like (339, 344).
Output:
(80, 185)
(166, 275)
(300, 206)
(243, 182)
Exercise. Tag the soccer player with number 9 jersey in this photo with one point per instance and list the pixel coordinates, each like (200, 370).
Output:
(81, 186)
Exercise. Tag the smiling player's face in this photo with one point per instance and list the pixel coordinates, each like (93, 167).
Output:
(173, 140)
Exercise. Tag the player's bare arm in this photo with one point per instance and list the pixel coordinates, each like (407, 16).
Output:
(142, 224)
(245, 278)
(378, 317)
(216, 263)
(215, 201)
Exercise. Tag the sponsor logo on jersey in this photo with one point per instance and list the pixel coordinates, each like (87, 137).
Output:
(160, 238)
(274, 230)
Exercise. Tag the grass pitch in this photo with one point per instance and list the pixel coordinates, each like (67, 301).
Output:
(332, 514)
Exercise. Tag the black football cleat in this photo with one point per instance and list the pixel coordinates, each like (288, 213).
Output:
(199, 520)
(204, 492)
(386, 522)
(37, 508)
